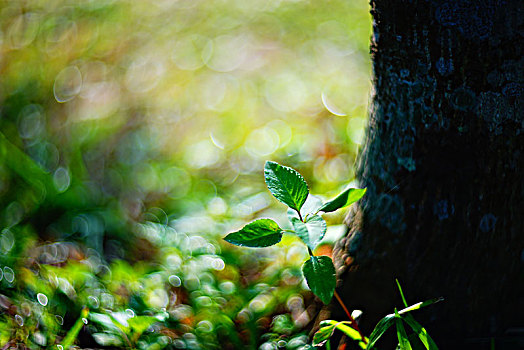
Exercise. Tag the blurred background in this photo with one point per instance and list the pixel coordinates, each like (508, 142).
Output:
(133, 136)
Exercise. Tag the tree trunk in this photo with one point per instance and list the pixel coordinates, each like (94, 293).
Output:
(443, 164)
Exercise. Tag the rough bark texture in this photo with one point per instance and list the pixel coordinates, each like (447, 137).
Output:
(443, 164)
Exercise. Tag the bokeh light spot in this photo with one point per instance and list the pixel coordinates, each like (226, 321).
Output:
(68, 84)
(42, 299)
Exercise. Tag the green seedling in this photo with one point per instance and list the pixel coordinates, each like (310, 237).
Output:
(290, 188)
(398, 318)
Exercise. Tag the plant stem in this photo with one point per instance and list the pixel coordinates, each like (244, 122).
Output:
(300, 216)
(353, 324)
(310, 251)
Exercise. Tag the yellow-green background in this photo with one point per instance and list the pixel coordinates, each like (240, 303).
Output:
(133, 137)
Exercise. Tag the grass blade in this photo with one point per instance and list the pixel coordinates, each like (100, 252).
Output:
(421, 332)
(381, 327)
(420, 305)
(402, 335)
(73, 332)
(401, 293)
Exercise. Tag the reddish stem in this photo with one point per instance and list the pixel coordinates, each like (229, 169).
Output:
(353, 323)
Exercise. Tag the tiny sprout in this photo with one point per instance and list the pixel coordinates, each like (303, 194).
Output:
(289, 187)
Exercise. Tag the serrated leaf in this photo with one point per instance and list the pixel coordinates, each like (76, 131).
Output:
(310, 206)
(420, 332)
(286, 184)
(381, 327)
(347, 197)
(402, 336)
(319, 272)
(258, 233)
(312, 231)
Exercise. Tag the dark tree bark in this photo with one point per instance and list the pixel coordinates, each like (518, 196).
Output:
(443, 164)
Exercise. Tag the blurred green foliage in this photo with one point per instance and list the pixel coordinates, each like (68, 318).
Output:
(132, 134)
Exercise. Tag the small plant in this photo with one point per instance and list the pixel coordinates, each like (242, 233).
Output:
(398, 318)
(290, 188)
(122, 329)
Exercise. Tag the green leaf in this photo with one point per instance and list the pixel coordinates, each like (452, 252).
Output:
(381, 327)
(347, 197)
(312, 231)
(310, 207)
(352, 333)
(420, 305)
(401, 334)
(387, 321)
(107, 339)
(415, 342)
(25, 167)
(106, 321)
(420, 332)
(139, 324)
(401, 293)
(327, 327)
(323, 334)
(258, 233)
(286, 184)
(319, 272)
